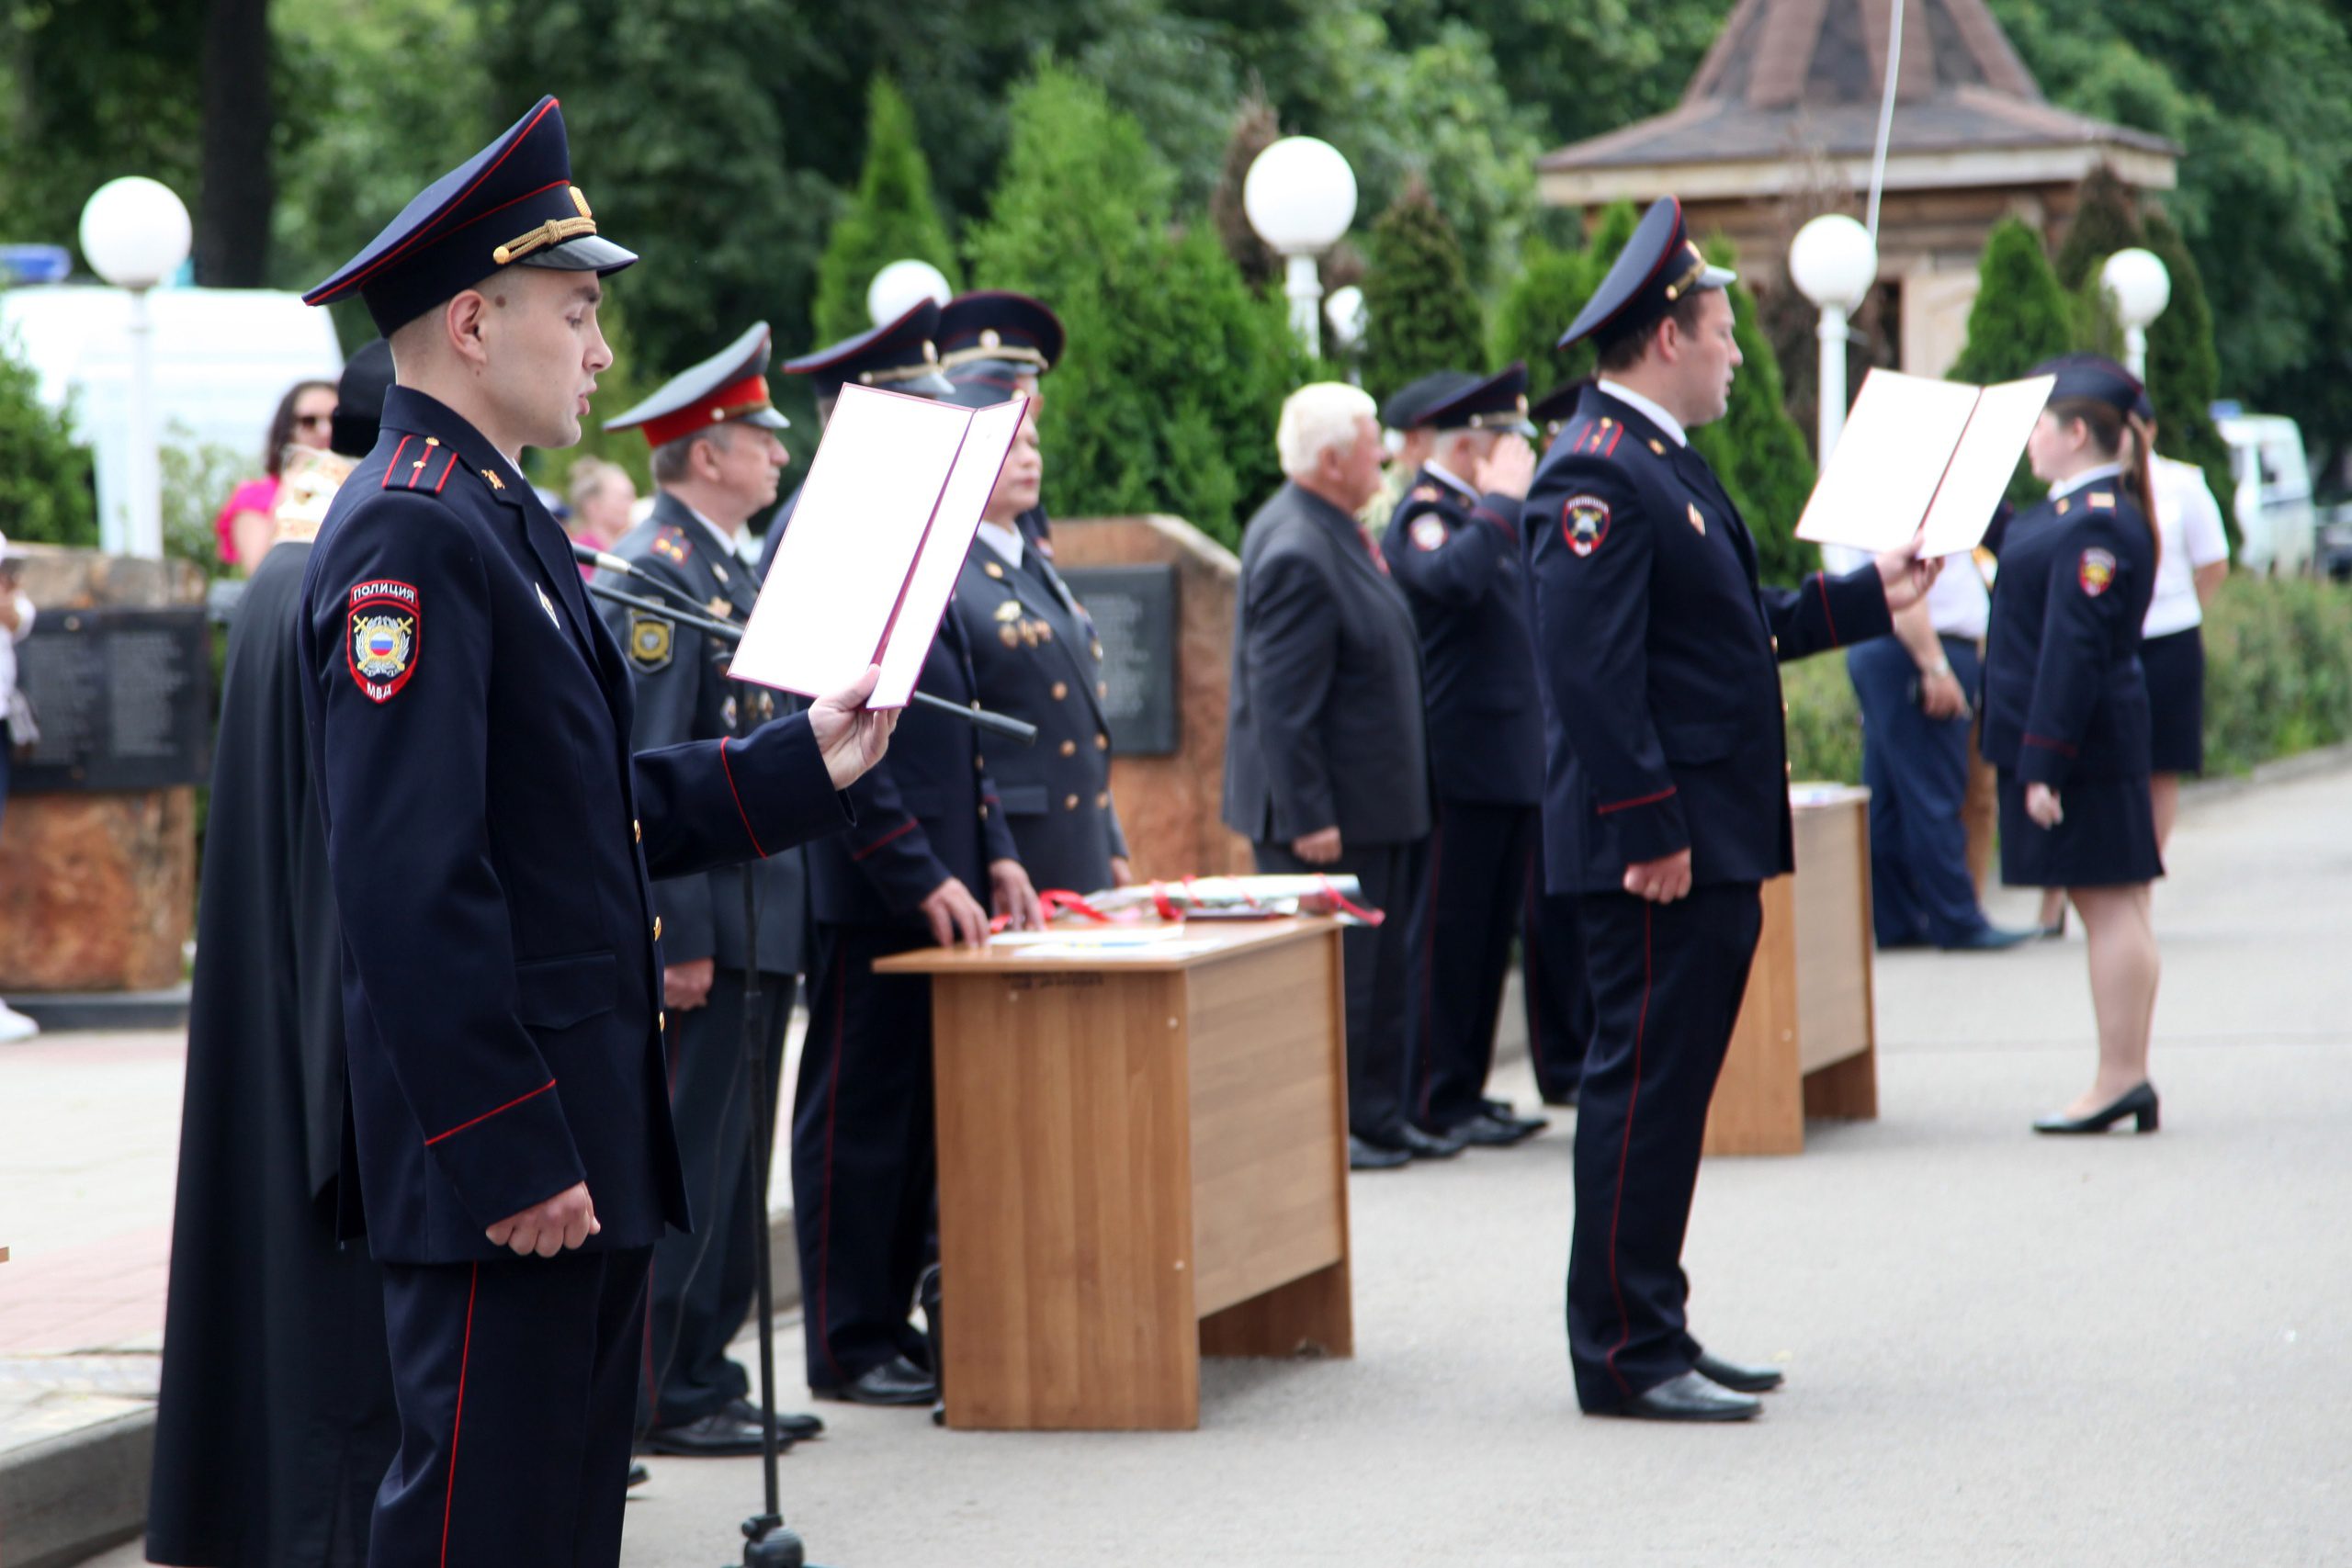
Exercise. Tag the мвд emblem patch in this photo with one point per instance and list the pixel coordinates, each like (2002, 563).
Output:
(1584, 523)
(2095, 573)
(383, 636)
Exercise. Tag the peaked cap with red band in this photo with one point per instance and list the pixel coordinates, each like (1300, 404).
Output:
(1656, 268)
(512, 204)
(731, 386)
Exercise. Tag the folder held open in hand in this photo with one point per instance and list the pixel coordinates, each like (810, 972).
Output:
(1922, 458)
(884, 520)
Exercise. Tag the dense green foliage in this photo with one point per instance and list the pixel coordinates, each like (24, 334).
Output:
(892, 217)
(1553, 285)
(1421, 314)
(2021, 316)
(45, 490)
(2184, 371)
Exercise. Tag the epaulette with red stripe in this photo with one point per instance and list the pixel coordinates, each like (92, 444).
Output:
(1590, 437)
(671, 544)
(420, 463)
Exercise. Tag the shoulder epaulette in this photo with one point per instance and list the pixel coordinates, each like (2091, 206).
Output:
(420, 463)
(672, 544)
(1594, 438)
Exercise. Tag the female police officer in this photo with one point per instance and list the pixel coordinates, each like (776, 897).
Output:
(2066, 711)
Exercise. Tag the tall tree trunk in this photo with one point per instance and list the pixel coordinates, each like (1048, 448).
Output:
(238, 192)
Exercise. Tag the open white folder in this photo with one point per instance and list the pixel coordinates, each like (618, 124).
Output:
(884, 520)
(1922, 458)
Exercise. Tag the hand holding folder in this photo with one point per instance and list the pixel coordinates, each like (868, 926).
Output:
(1922, 459)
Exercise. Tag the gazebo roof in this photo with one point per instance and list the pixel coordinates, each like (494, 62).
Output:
(1789, 79)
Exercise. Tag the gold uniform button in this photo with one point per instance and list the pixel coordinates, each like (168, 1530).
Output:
(1103, 688)
(980, 764)
(657, 928)
(1069, 747)
(636, 830)
(1775, 645)
(984, 813)
(662, 1022)
(1103, 801)
(1102, 741)
(1061, 691)
(1071, 804)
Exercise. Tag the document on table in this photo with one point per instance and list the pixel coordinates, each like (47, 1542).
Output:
(1921, 455)
(884, 520)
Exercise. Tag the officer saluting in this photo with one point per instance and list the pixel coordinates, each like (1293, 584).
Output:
(1034, 648)
(1454, 546)
(489, 838)
(1665, 802)
(717, 461)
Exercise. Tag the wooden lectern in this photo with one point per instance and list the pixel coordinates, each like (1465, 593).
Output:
(1143, 1158)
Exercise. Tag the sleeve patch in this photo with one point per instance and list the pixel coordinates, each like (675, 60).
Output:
(1430, 532)
(384, 637)
(2095, 573)
(1584, 523)
(649, 641)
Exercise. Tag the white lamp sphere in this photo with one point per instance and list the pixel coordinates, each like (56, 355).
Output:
(1344, 310)
(903, 284)
(1300, 195)
(1833, 262)
(135, 232)
(2139, 284)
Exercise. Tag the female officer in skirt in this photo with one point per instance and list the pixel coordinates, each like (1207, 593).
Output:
(2066, 711)
(2193, 558)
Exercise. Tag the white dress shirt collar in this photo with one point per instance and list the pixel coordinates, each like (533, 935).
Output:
(2089, 476)
(1648, 410)
(1004, 540)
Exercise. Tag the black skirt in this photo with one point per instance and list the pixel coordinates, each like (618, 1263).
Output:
(2175, 671)
(2107, 839)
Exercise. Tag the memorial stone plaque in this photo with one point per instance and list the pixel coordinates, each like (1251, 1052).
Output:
(1133, 609)
(121, 697)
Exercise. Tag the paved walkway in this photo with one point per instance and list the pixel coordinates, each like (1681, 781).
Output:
(2000, 1349)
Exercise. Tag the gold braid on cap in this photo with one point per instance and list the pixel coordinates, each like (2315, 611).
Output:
(1690, 274)
(554, 231)
(929, 364)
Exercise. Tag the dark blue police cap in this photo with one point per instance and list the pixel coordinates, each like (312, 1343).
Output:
(731, 386)
(2096, 377)
(1658, 266)
(996, 325)
(900, 357)
(359, 400)
(1554, 408)
(512, 204)
(1494, 402)
(1408, 405)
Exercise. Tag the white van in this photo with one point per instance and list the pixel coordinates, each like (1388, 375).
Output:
(223, 358)
(2277, 521)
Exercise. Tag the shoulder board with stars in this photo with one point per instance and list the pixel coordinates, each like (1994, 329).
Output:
(420, 463)
(1425, 492)
(672, 544)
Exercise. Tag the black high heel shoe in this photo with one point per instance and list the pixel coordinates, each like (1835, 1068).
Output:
(2139, 1103)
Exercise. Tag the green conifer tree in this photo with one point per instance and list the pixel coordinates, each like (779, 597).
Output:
(1757, 449)
(1553, 285)
(44, 476)
(2022, 316)
(892, 217)
(2107, 219)
(1421, 314)
(1167, 396)
(2184, 368)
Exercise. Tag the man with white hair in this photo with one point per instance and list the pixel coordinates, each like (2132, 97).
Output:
(1326, 759)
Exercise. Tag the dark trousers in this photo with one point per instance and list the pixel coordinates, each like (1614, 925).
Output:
(1666, 984)
(865, 1172)
(704, 1283)
(517, 1380)
(1378, 960)
(1917, 769)
(1470, 907)
(1551, 981)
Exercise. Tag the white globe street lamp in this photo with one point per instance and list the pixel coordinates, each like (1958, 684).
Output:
(1300, 196)
(2136, 280)
(1344, 310)
(903, 284)
(1833, 262)
(135, 233)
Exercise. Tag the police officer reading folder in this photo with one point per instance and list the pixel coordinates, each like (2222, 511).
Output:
(1665, 801)
(490, 837)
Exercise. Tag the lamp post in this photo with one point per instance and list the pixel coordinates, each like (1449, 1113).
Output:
(1344, 310)
(2136, 280)
(1833, 262)
(1300, 196)
(901, 285)
(135, 233)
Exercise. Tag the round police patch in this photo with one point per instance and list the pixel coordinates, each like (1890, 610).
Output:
(1584, 523)
(2095, 573)
(1429, 532)
(383, 636)
(649, 641)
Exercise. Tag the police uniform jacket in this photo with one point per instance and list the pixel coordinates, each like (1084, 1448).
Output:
(683, 694)
(927, 812)
(2065, 698)
(490, 835)
(1036, 658)
(1663, 722)
(1457, 554)
(1325, 726)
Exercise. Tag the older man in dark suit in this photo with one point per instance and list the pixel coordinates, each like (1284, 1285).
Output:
(1326, 759)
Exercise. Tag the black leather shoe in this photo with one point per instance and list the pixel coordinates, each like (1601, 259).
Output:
(1374, 1156)
(637, 1477)
(716, 1435)
(789, 1426)
(2138, 1104)
(1740, 1379)
(1427, 1146)
(1991, 938)
(1504, 1112)
(1484, 1132)
(1690, 1398)
(896, 1382)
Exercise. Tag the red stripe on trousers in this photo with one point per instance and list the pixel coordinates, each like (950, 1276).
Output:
(1617, 1200)
(457, 1420)
(825, 1212)
(1428, 964)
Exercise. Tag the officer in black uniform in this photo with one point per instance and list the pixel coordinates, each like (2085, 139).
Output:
(717, 461)
(1454, 546)
(1665, 805)
(931, 845)
(1034, 651)
(900, 356)
(490, 835)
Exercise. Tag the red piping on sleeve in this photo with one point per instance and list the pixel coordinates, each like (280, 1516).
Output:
(1821, 582)
(1629, 804)
(727, 768)
(900, 832)
(487, 1114)
(2058, 746)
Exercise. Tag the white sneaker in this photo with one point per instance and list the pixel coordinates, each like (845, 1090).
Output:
(14, 1025)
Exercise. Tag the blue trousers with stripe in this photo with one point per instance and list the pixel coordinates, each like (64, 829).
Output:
(1666, 983)
(516, 1383)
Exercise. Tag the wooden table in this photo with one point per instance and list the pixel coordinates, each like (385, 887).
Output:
(1143, 1158)
(1806, 1043)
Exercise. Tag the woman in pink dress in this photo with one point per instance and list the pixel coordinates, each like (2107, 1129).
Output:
(245, 527)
